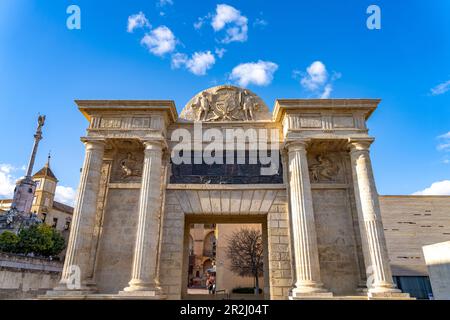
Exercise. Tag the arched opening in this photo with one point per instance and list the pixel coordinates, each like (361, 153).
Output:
(209, 245)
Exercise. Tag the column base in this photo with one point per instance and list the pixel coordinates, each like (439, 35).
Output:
(139, 289)
(310, 292)
(386, 291)
(63, 290)
(149, 294)
(389, 296)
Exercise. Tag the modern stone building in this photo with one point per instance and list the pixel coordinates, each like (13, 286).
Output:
(411, 223)
(316, 199)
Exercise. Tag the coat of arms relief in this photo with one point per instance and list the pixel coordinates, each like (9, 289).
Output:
(226, 103)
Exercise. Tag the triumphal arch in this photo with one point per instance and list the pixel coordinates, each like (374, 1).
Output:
(303, 172)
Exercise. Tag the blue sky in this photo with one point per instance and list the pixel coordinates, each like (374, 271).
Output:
(44, 66)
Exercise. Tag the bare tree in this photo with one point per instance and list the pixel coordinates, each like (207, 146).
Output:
(245, 251)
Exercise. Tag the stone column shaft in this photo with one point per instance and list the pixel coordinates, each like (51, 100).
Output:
(144, 270)
(303, 225)
(372, 233)
(83, 221)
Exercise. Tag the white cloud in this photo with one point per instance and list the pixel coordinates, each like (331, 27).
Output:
(441, 88)
(230, 19)
(441, 188)
(317, 80)
(163, 3)
(159, 41)
(220, 52)
(445, 144)
(327, 91)
(260, 23)
(137, 21)
(65, 195)
(201, 21)
(315, 77)
(444, 136)
(7, 180)
(258, 73)
(198, 64)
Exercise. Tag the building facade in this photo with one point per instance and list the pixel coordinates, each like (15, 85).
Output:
(316, 199)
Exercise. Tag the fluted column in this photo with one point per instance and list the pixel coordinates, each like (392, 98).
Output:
(378, 267)
(144, 270)
(306, 254)
(83, 221)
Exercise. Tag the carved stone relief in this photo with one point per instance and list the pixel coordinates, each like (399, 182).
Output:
(110, 123)
(226, 103)
(326, 168)
(127, 166)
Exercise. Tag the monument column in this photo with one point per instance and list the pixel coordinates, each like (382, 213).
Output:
(144, 280)
(77, 262)
(306, 253)
(378, 267)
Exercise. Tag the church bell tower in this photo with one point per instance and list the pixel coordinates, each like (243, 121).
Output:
(44, 194)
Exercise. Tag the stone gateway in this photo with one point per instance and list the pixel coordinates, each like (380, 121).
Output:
(319, 211)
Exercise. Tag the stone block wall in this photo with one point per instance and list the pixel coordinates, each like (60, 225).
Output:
(26, 277)
(114, 258)
(411, 222)
(336, 241)
(280, 254)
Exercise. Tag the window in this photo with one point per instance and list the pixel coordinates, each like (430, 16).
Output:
(45, 217)
(67, 225)
(418, 287)
(55, 222)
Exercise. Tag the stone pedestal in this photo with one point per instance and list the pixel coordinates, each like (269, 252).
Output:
(144, 280)
(306, 254)
(76, 276)
(380, 283)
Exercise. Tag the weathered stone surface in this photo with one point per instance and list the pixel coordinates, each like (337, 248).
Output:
(317, 234)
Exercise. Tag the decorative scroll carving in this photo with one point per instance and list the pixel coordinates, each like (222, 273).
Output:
(226, 103)
(110, 123)
(325, 170)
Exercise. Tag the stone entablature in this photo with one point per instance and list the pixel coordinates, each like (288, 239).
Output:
(321, 221)
(325, 118)
(128, 119)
